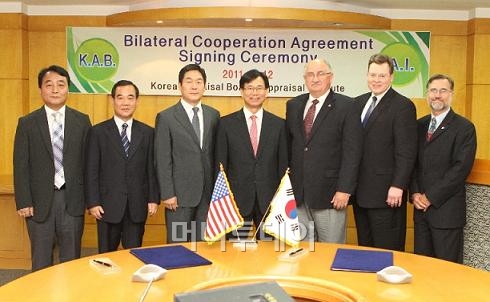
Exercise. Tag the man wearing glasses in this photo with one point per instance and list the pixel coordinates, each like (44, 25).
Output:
(447, 147)
(254, 166)
(390, 147)
(325, 144)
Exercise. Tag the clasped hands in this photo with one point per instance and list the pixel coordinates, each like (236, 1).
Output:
(98, 211)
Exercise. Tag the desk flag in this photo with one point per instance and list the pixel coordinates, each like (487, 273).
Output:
(223, 214)
(282, 221)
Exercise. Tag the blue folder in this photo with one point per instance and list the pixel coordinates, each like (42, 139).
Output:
(169, 257)
(361, 260)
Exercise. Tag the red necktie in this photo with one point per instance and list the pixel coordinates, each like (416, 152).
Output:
(309, 118)
(253, 134)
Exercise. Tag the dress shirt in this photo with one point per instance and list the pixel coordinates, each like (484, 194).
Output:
(49, 115)
(439, 118)
(321, 101)
(379, 98)
(120, 122)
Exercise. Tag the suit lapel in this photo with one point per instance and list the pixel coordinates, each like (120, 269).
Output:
(136, 138)
(207, 127)
(242, 131)
(327, 106)
(70, 129)
(182, 118)
(443, 126)
(42, 123)
(299, 117)
(113, 135)
(264, 132)
(382, 105)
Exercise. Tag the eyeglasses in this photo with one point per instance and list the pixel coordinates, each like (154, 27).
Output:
(439, 91)
(250, 89)
(321, 74)
(380, 76)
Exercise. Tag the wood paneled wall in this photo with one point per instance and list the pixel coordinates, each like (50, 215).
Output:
(29, 43)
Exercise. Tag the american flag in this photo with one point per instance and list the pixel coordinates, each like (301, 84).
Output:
(223, 214)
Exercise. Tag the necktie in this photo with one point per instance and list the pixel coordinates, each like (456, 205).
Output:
(253, 134)
(195, 124)
(369, 111)
(57, 142)
(124, 139)
(309, 118)
(432, 129)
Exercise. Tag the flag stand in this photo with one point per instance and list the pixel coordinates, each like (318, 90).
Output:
(244, 243)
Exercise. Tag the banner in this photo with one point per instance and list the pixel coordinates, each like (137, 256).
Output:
(152, 58)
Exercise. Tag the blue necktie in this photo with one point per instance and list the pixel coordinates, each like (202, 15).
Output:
(369, 111)
(124, 139)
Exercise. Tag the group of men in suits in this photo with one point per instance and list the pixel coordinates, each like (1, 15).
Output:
(366, 151)
(371, 151)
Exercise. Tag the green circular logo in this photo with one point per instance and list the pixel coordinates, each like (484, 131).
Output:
(97, 60)
(406, 60)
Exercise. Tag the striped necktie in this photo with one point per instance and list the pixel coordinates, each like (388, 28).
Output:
(124, 139)
(57, 142)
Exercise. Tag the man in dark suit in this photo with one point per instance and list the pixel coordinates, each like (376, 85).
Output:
(325, 142)
(447, 147)
(252, 146)
(184, 154)
(48, 171)
(390, 147)
(120, 183)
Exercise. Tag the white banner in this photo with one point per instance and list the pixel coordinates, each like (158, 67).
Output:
(152, 58)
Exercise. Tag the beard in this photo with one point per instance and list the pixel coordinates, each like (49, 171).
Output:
(438, 106)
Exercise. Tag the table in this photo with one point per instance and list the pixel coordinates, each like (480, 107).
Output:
(309, 277)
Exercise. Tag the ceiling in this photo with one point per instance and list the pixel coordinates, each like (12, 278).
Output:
(395, 9)
(378, 4)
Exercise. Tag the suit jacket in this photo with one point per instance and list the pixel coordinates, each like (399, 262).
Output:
(115, 181)
(442, 167)
(251, 176)
(329, 161)
(34, 163)
(390, 149)
(183, 168)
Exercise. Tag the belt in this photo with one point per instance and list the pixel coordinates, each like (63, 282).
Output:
(60, 188)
